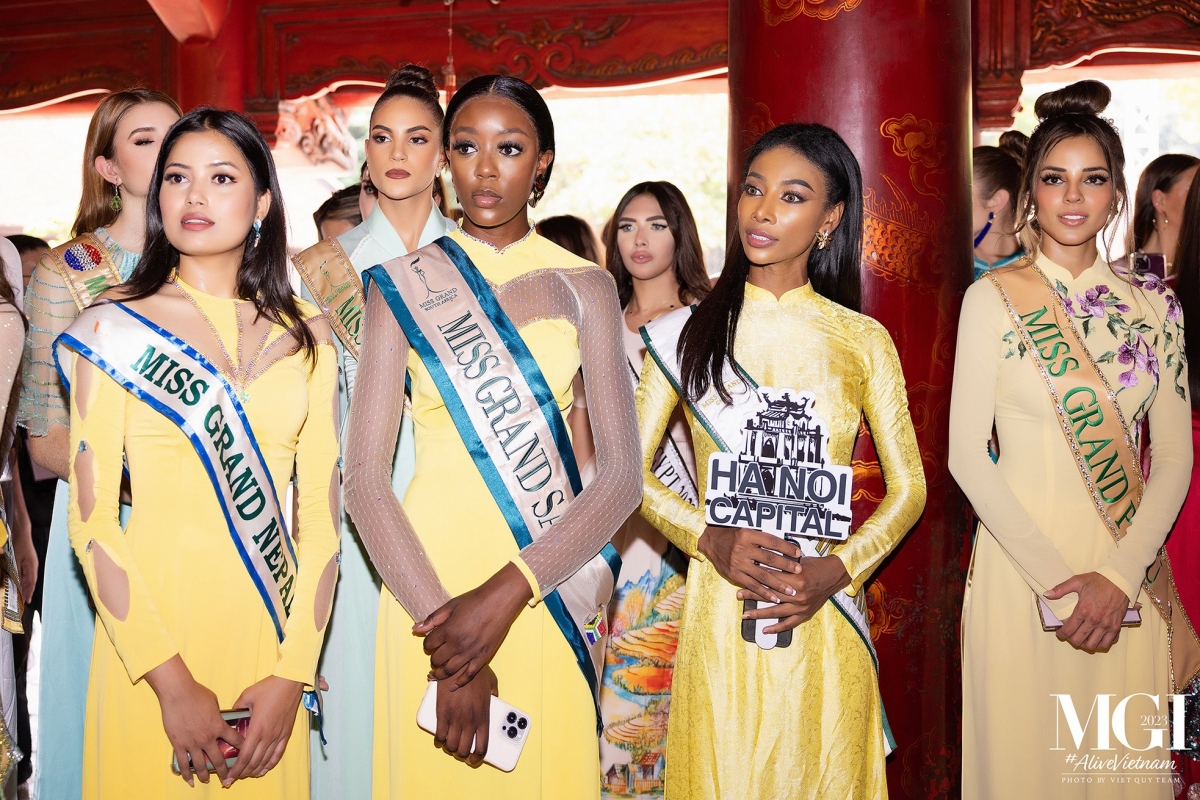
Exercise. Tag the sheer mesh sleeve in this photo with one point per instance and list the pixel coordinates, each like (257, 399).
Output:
(595, 515)
(374, 426)
(50, 309)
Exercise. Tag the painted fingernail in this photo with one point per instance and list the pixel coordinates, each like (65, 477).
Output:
(792, 592)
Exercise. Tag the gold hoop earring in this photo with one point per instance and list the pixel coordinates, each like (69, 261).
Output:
(115, 203)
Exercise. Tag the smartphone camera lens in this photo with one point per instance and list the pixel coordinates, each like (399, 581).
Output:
(522, 723)
(512, 717)
(512, 733)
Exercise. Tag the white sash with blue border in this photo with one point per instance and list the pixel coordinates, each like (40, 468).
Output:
(173, 378)
(723, 423)
(506, 415)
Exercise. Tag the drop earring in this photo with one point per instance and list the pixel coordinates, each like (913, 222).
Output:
(987, 227)
(115, 203)
(257, 232)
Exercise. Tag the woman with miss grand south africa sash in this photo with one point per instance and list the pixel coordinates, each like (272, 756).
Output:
(214, 385)
(777, 369)
(404, 154)
(497, 553)
(1070, 605)
(122, 145)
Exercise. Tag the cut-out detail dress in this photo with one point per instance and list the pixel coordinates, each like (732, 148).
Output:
(189, 592)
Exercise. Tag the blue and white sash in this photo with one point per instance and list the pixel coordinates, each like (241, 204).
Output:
(506, 415)
(724, 423)
(173, 378)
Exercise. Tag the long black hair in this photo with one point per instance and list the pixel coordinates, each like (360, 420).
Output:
(525, 97)
(1187, 286)
(706, 343)
(263, 275)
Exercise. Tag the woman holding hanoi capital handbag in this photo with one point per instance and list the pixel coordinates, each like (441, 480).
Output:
(802, 719)
(491, 323)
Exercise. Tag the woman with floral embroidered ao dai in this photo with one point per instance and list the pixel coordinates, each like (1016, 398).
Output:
(1065, 355)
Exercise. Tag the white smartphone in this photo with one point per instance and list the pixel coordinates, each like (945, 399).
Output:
(508, 729)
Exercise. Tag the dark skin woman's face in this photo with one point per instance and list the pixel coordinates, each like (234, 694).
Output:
(494, 162)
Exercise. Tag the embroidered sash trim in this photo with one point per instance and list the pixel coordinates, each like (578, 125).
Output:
(1101, 442)
(334, 283)
(724, 423)
(507, 417)
(86, 267)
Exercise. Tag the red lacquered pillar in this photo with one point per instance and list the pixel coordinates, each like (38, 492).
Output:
(893, 78)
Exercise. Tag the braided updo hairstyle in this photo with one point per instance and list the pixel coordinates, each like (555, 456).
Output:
(1065, 114)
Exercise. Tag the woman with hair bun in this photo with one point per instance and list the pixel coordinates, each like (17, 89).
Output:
(775, 690)
(122, 145)
(997, 173)
(1162, 191)
(1066, 356)
(403, 157)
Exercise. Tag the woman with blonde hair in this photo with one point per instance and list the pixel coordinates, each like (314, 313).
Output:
(122, 145)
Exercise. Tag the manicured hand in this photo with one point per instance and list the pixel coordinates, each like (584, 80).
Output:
(742, 557)
(817, 580)
(463, 717)
(192, 720)
(273, 703)
(1095, 624)
(462, 636)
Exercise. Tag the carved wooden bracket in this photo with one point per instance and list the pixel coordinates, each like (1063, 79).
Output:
(317, 129)
(191, 20)
(1012, 36)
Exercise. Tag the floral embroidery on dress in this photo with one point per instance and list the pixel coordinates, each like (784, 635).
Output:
(1137, 339)
(1014, 346)
(1172, 326)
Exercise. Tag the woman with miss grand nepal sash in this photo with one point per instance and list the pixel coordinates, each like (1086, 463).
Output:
(1065, 356)
(215, 384)
(404, 154)
(779, 336)
(496, 552)
(122, 144)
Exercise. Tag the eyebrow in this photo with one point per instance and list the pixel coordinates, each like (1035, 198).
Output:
(788, 182)
(648, 219)
(406, 130)
(213, 164)
(1085, 169)
(144, 129)
(505, 132)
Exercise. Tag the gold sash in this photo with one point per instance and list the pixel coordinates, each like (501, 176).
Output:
(1096, 431)
(337, 289)
(86, 268)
